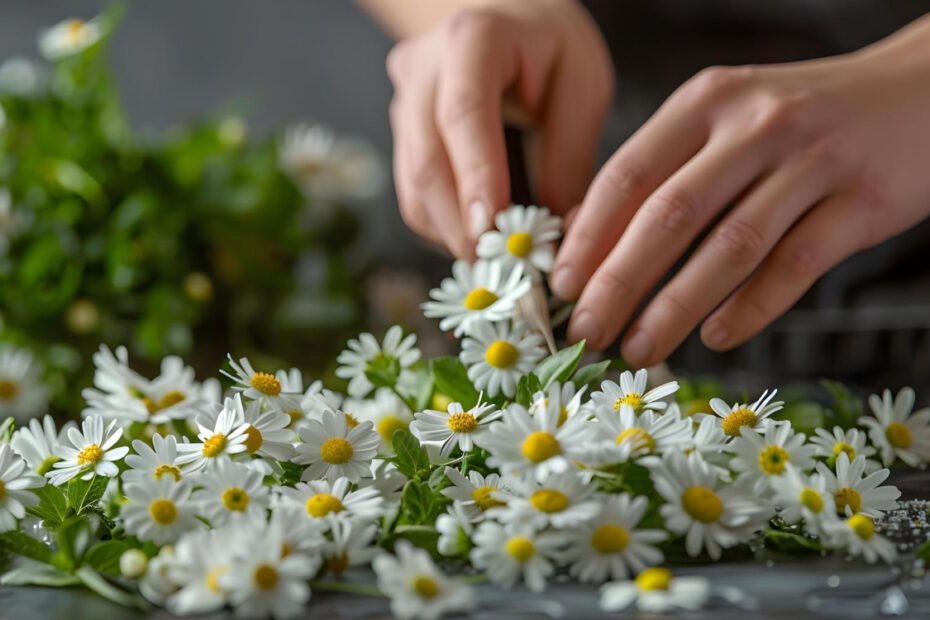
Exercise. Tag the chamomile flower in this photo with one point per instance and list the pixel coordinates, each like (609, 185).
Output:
(387, 480)
(610, 546)
(156, 585)
(158, 510)
(761, 457)
(628, 436)
(267, 435)
(297, 532)
(656, 590)
(22, 394)
(754, 417)
(710, 514)
(70, 37)
(114, 377)
(853, 493)
(509, 553)
(395, 355)
(521, 443)
(320, 498)
(261, 386)
(351, 544)
(632, 392)
(524, 235)
(453, 427)
(562, 501)
(487, 291)
(15, 496)
(828, 445)
(477, 493)
(563, 399)
(201, 557)
(334, 450)
(418, 589)
(709, 441)
(231, 491)
(497, 356)
(224, 437)
(156, 461)
(857, 535)
(88, 452)
(38, 444)
(386, 411)
(897, 432)
(455, 528)
(806, 498)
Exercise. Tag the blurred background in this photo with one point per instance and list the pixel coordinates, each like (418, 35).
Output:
(186, 203)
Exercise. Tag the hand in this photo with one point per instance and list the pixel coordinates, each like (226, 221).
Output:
(450, 163)
(788, 169)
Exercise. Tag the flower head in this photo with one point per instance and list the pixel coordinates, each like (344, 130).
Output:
(896, 431)
(392, 357)
(524, 236)
(498, 356)
(88, 452)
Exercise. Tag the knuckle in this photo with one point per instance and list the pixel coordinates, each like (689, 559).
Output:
(830, 153)
(623, 178)
(423, 169)
(738, 240)
(715, 82)
(473, 24)
(675, 211)
(615, 285)
(801, 263)
(397, 62)
(776, 114)
(672, 305)
(460, 105)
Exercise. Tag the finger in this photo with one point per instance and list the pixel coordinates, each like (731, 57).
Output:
(660, 233)
(728, 255)
(411, 209)
(811, 248)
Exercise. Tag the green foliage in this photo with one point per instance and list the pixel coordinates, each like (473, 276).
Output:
(410, 457)
(52, 507)
(527, 388)
(845, 410)
(590, 375)
(84, 495)
(451, 379)
(560, 366)
(22, 544)
(791, 542)
(923, 552)
(104, 556)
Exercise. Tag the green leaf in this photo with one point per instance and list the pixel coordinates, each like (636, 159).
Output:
(410, 458)
(74, 537)
(383, 370)
(790, 542)
(25, 545)
(85, 494)
(416, 499)
(292, 472)
(35, 574)
(104, 556)
(6, 430)
(451, 378)
(52, 507)
(423, 536)
(95, 581)
(589, 374)
(559, 367)
(527, 388)
(923, 552)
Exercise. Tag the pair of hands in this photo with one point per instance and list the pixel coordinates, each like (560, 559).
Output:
(776, 173)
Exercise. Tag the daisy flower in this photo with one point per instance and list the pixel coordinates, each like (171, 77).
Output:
(525, 236)
(39, 443)
(231, 490)
(261, 386)
(201, 557)
(158, 461)
(507, 553)
(853, 442)
(857, 535)
(897, 432)
(563, 399)
(15, 495)
(562, 501)
(739, 416)
(487, 291)
(418, 589)
(455, 528)
(497, 356)
(351, 544)
(224, 437)
(386, 479)
(632, 392)
(22, 394)
(761, 457)
(156, 585)
(477, 493)
(297, 532)
(710, 514)
(396, 353)
(114, 377)
(70, 37)
(158, 510)
(709, 441)
(267, 434)
(453, 427)
(320, 498)
(386, 411)
(522, 443)
(629, 435)
(334, 450)
(656, 590)
(88, 453)
(806, 498)
(854, 494)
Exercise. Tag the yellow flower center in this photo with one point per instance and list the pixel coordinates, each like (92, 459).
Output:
(91, 454)
(501, 354)
(74, 29)
(336, 451)
(842, 446)
(213, 578)
(266, 577)
(733, 423)
(286, 550)
(540, 446)
(424, 586)
(462, 422)
(163, 511)
(632, 399)
(322, 504)
(235, 499)
(520, 244)
(772, 460)
(702, 504)
(862, 525)
(654, 579)
(638, 437)
(899, 435)
(337, 564)
(610, 538)
(253, 439)
(2, 490)
(214, 446)
(265, 383)
(479, 299)
(563, 416)
(811, 499)
(389, 425)
(295, 415)
(171, 398)
(8, 390)
(847, 496)
(351, 420)
(483, 498)
(549, 501)
(167, 470)
(519, 548)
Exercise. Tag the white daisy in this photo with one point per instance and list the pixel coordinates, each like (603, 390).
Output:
(453, 427)
(224, 437)
(562, 501)
(156, 585)
(156, 461)
(486, 291)
(709, 441)
(632, 391)
(507, 553)
(231, 491)
(261, 386)
(201, 557)
(754, 416)
(114, 377)
(351, 544)
(711, 514)
(298, 533)
(477, 493)
(334, 450)
(852, 441)
(158, 510)
(563, 399)
(320, 498)
(524, 235)
(38, 444)
(497, 356)
(22, 394)
(88, 453)
(386, 479)
(853, 493)
(629, 435)
(418, 589)
(455, 528)
(656, 590)
(804, 498)
(268, 435)
(70, 37)
(396, 354)
(15, 496)
(761, 457)
(897, 432)
(857, 535)
(386, 411)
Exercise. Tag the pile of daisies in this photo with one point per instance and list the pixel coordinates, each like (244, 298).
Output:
(510, 463)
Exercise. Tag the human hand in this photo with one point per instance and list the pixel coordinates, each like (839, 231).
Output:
(788, 169)
(450, 162)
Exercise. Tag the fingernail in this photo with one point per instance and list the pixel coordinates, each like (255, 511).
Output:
(477, 219)
(564, 282)
(638, 347)
(715, 334)
(585, 326)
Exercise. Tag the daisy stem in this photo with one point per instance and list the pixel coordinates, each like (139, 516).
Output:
(365, 589)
